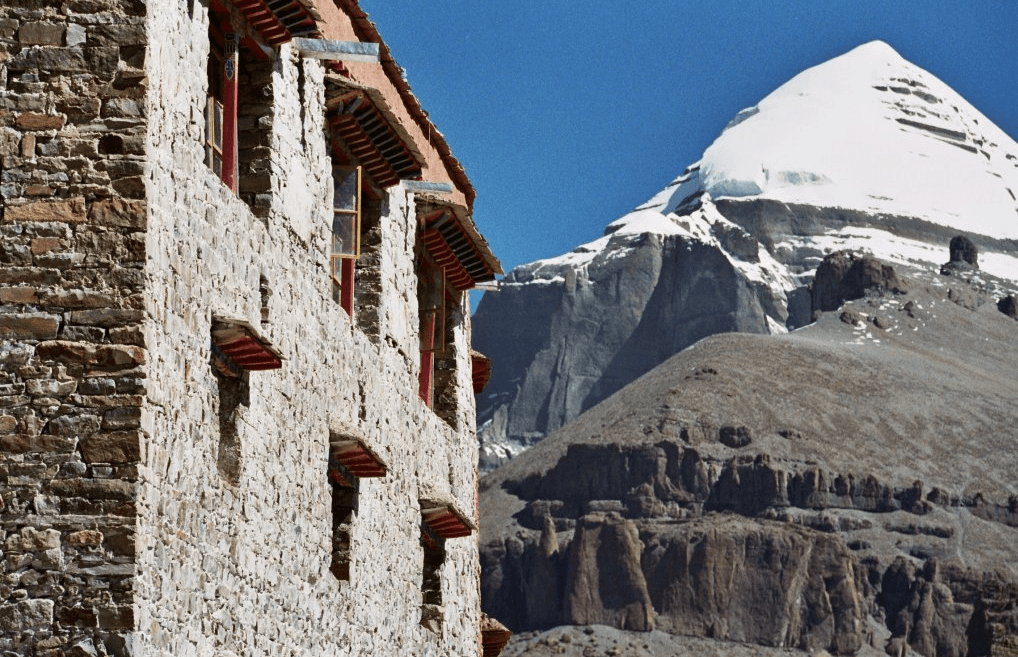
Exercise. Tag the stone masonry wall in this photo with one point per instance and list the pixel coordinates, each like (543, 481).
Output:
(72, 357)
(231, 569)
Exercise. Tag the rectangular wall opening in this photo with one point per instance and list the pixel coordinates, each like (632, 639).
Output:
(432, 611)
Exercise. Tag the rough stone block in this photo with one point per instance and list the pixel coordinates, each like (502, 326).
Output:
(77, 299)
(29, 275)
(102, 62)
(8, 28)
(50, 387)
(93, 489)
(128, 335)
(119, 35)
(75, 35)
(45, 244)
(124, 107)
(127, 417)
(82, 334)
(27, 615)
(31, 540)
(131, 187)
(41, 34)
(117, 618)
(70, 211)
(116, 447)
(49, 559)
(74, 425)
(90, 354)
(18, 295)
(28, 146)
(79, 108)
(120, 354)
(107, 318)
(87, 537)
(35, 326)
(63, 350)
(38, 190)
(8, 423)
(118, 212)
(36, 121)
(78, 617)
(20, 443)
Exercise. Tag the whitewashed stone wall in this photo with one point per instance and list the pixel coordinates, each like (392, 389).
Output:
(243, 570)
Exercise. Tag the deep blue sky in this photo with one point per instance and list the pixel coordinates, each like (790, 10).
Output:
(566, 115)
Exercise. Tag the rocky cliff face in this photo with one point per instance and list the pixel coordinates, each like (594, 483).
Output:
(866, 152)
(847, 487)
(567, 334)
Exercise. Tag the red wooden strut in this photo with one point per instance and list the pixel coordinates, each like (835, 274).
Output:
(346, 285)
(231, 61)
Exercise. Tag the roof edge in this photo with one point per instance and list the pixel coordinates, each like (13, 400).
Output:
(367, 31)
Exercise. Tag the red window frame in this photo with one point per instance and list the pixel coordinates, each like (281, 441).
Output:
(221, 101)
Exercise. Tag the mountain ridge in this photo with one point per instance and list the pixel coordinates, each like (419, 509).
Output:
(760, 246)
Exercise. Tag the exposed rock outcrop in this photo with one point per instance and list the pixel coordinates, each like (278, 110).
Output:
(844, 276)
(585, 333)
(825, 490)
(604, 581)
(1009, 306)
(964, 256)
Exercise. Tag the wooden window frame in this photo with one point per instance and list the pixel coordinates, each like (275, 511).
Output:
(342, 262)
(220, 144)
(432, 323)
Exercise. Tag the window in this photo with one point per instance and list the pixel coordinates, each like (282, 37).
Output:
(440, 521)
(344, 500)
(369, 278)
(432, 610)
(346, 233)
(236, 350)
(221, 101)
(440, 313)
(350, 460)
(431, 304)
(238, 109)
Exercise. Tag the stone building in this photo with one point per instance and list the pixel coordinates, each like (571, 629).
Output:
(236, 383)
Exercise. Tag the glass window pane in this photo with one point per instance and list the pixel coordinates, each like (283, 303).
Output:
(337, 268)
(345, 190)
(344, 234)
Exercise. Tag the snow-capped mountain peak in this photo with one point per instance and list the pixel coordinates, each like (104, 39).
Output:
(866, 152)
(866, 131)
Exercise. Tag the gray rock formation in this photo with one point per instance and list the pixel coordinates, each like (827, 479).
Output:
(848, 487)
(844, 276)
(1009, 306)
(964, 256)
(560, 347)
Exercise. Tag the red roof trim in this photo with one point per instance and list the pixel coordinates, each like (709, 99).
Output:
(280, 22)
(480, 368)
(358, 458)
(240, 344)
(443, 256)
(446, 522)
(494, 636)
